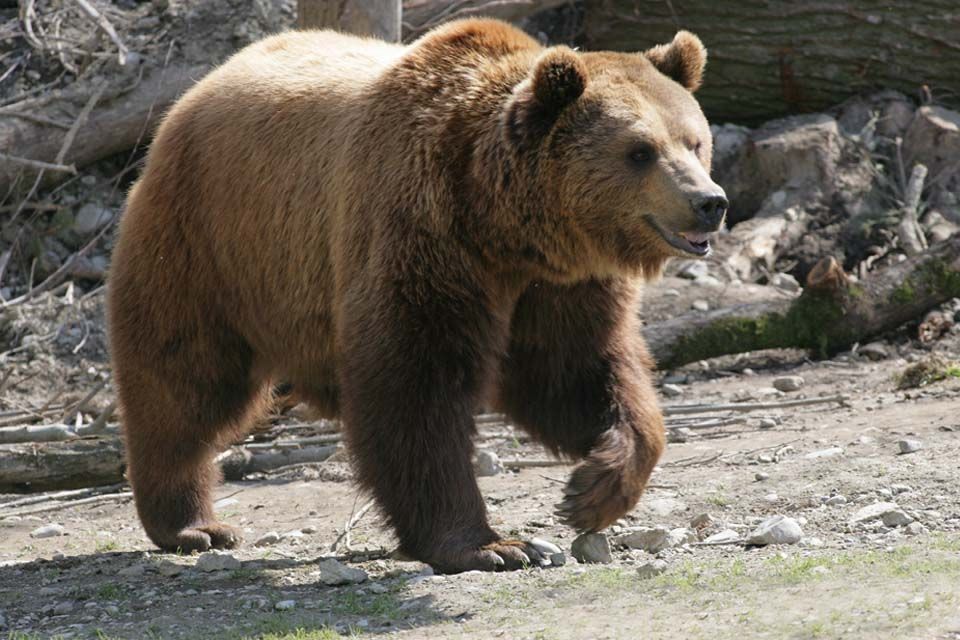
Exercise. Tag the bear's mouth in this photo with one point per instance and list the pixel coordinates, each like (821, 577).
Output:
(695, 243)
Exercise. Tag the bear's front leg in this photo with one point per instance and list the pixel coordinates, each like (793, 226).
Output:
(577, 377)
(413, 355)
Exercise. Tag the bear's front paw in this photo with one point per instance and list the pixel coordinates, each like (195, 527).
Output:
(215, 535)
(597, 495)
(502, 555)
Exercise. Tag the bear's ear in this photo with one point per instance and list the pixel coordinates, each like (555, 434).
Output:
(558, 78)
(682, 60)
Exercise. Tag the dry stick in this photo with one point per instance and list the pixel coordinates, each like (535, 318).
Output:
(104, 24)
(100, 424)
(81, 120)
(79, 406)
(39, 164)
(26, 16)
(59, 495)
(36, 433)
(911, 235)
(749, 406)
(74, 503)
(351, 522)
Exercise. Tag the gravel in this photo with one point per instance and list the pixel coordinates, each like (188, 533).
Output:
(592, 548)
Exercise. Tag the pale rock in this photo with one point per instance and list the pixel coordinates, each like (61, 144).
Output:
(216, 560)
(49, 531)
(267, 539)
(874, 351)
(90, 218)
(488, 464)
(333, 572)
(896, 518)
(909, 445)
(133, 571)
(169, 568)
(663, 507)
(873, 512)
(727, 536)
(785, 282)
(651, 569)
(285, 605)
(833, 501)
(592, 548)
(776, 530)
(700, 305)
(672, 390)
(788, 383)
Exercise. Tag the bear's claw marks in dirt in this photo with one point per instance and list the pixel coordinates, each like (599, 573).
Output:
(204, 538)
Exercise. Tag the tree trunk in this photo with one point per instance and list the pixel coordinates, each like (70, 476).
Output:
(377, 18)
(769, 58)
(60, 465)
(829, 316)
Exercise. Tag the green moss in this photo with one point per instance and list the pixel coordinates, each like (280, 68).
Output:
(903, 294)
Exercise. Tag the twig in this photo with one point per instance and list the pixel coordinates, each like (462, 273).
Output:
(74, 503)
(33, 117)
(39, 164)
(350, 524)
(749, 406)
(59, 495)
(104, 24)
(79, 406)
(100, 424)
(81, 119)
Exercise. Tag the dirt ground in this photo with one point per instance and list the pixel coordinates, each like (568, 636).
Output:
(819, 464)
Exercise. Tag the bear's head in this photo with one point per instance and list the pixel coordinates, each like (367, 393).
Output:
(622, 151)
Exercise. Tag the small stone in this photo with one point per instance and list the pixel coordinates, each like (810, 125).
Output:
(833, 501)
(785, 282)
(333, 573)
(726, 536)
(488, 464)
(776, 530)
(309, 530)
(909, 445)
(679, 435)
(915, 529)
(874, 351)
(592, 548)
(558, 559)
(760, 476)
(49, 531)
(267, 539)
(873, 512)
(90, 218)
(169, 568)
(217, 561)
(700, 305)
(788, 383)
(825, 453)
(63, 608)
(663, 507)
(672, 390)
(377, 588)
(701, 521)
(694, 269)
(134, 571)
(285, 605)
(651, 569)
(897, 489)
(766, 423)
(225, 503)
(896, 518)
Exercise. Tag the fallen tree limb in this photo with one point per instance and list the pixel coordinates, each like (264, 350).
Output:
(832, 313)
(60, 465)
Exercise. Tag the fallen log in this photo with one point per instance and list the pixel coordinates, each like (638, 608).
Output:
(60, 465)
(830, 315)
(769, 59)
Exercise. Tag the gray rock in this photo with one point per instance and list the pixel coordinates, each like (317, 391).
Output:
(874, 351)
(217, 561)
(267, 539)
(788, 383)
(63, 608)
(760, 476)
(651, 540)
(558, 559)
(909, 445)
(333, 572)
(169, 568)
(897, 489)
(133, 571)
(833, 501)
(49, 531)
(766, 423)
(873, 512)
(825, 453)
(915, 529)
(727, 536)
(592, 548)
(90, 218)
(776, 530)
(700, 305)
(672, 390)
(651, 569)
(488, 464)
(285, 605)
(896, 518)
(701, 521)
(680, 434)
(785, 282)
(933, 139)
(693, 269)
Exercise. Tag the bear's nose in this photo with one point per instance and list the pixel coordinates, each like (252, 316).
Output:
(711, 208)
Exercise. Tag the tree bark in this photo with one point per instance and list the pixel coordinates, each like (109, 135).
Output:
(60, 465)
(830, 315)
(771, 58)
(377, 18)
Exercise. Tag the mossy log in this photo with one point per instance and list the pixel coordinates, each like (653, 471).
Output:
(771, 58)
(830, 315)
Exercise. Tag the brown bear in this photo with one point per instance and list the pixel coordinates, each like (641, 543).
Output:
(406, 233)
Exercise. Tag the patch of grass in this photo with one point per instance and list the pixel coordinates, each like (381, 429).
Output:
(111, 591)
(104, 547)
(719, 499)
(927, 371)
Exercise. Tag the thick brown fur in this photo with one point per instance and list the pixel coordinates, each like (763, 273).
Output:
(404, 233)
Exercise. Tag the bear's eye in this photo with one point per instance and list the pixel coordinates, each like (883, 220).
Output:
(642, 155)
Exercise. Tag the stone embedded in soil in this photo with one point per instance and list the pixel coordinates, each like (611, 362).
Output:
(896, 518)
(63, 608)
(651, 569)
(785, 282)
(825, 453)
(672, 390)
(874, 351)
(727, 536)
(909, 445)
(270, 537)
(169, 568)
(679, 435)
(760, 476)
(766, 423)
(701, 521)
(897, 489)
(788, 383)
(285, 605)
(700, 305)
(592, 548)
(656, 539)
(333, 573)
(874, 511)
(776, 530)
(48, 531)
(133, 571)
(217, 561)
(833, 501)
(488, 464)
(915, 529)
